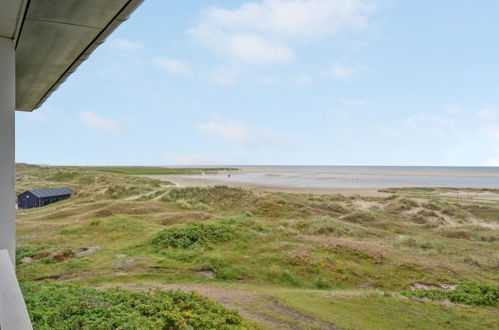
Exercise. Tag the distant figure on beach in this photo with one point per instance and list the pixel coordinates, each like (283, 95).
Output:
(228, 175)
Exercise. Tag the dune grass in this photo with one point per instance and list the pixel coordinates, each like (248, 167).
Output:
(301, 248)
(374, 310)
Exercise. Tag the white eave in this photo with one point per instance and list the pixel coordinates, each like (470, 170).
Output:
(53, 37)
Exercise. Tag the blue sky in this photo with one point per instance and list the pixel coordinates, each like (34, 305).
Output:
(305, 82)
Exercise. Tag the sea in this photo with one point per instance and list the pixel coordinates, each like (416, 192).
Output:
(358, 177)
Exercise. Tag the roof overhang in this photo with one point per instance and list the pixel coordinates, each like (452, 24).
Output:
(53, 37)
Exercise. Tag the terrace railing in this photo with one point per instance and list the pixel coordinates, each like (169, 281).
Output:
(13, 312)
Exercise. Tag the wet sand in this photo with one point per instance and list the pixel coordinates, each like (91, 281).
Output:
(332, 181)
(359, 172)
(186, 181)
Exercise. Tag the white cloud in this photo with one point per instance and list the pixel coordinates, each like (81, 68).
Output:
(427, 119)
(493, 160)
(173, 65)
(94, 120)
(488, 114)
(225, 75)
(37, 116)
(238, 132)
(339, 114)
(303, 80)
(254, 49)
(343, 72)
(192, 159)
(351, 102)
(263, 32)
(492, 131)
(453, 109)
(126, 45)
(269, 80)
(437, 124)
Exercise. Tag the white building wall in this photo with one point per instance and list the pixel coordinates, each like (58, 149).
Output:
(7, 148)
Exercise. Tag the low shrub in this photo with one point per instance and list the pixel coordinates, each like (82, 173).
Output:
(327, 227)
(359, 217)
(401, 205)
(37, 253)
(193, 235)
(213, 197)
(65, 176)
(120, 191)
(413, 243)
(458, 234)
(431, 206)
(322, 283)
(66, 306)
(472, 293)
(330, 206)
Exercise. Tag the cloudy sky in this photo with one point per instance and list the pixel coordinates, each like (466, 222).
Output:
(305, 82)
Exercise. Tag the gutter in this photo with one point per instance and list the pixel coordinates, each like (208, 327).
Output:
(119, 18)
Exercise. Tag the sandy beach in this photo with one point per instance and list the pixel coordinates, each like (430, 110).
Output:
(332, 181)
(359, 172)
(191, 181)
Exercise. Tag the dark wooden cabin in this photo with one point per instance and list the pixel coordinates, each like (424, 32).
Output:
(42, 197)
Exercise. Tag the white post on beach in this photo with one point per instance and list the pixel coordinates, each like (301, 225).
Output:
(202, 179)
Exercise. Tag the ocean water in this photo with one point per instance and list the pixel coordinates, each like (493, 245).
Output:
(355, 177)
(473, 170)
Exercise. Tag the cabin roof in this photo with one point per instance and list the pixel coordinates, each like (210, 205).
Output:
(51, 192)
(52, 38)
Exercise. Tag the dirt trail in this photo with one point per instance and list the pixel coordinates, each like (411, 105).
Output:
(265, 310)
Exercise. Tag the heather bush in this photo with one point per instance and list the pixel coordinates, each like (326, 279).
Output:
(67, 306)
(472, 293)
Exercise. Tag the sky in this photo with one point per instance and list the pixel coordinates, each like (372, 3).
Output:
(281, 82)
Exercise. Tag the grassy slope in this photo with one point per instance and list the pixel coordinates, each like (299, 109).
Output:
(303, 250)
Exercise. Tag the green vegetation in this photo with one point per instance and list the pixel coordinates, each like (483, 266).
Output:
(193, 235)
(380, 311)
(284, 260)
(40, 253)
(210, 198)
(480, 294)
(58, 306)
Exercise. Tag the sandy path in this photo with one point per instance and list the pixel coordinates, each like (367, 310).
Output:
(265, 310)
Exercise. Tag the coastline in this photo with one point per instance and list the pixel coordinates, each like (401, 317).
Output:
(331, 181)
(186, 181)
(357, 172)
